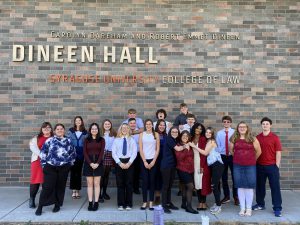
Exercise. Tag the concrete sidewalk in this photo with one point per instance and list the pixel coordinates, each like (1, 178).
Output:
(14, 209)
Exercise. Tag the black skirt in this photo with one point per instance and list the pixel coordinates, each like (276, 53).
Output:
(88, 171)
(185, 177)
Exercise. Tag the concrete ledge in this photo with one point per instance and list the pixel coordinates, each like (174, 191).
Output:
(14, 210)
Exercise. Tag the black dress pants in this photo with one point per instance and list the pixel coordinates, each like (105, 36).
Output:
(228, 164)
(124, 184)
(54, 186)
(168, 176)
(75, 175)
(148, 178)
(136, 172)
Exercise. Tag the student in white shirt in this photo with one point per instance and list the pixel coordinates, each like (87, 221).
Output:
(149, 150)
(190, 121)
(124, 152)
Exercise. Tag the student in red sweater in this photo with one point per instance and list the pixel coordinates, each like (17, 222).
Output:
(185, 169)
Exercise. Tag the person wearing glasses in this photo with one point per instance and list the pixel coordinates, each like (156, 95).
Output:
(36, 170)
(57, 157)
(168, 168)
(245, 149)
(222, 140)
(185, 170)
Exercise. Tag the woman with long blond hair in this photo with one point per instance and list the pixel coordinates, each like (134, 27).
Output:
(245, 149)
(124, 152)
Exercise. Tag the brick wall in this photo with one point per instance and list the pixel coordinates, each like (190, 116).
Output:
(265, 58)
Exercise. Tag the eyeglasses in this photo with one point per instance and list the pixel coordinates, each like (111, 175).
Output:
(47, 128)
(226, 121)
(174, 132)
(242, 126)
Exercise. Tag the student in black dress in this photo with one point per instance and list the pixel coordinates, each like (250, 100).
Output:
(93, 151)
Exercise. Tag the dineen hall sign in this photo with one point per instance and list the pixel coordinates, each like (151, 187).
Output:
(70, 54)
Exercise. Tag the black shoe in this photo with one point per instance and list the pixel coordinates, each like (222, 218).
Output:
(144, 206)
(225, 200)
(236, 201)
(167, 210)
(101, 199)
(90, 207)
(137, 192)
(172, 206)
(106, 196)
(56, 208)
(189, 209)
(32, 203)
(96, 206)
(38, 211)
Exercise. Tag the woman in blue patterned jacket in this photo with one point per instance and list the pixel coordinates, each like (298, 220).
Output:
(57, 156)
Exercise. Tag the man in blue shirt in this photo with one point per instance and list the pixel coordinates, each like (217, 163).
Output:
(182, 117)
(136, 162)
(139, 121)
(222, 139)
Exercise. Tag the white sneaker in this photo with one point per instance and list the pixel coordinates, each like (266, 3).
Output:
(120, 208)
(128, 208)
(242, 212)
(216, 210)
(248, 212)
(213, 207)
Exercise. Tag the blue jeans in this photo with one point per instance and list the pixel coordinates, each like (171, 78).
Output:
(272, 173)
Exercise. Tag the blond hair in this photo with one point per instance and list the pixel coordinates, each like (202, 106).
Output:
(248, 136)
(120, 130)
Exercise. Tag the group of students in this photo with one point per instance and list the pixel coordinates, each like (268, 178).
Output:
(154, 152)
